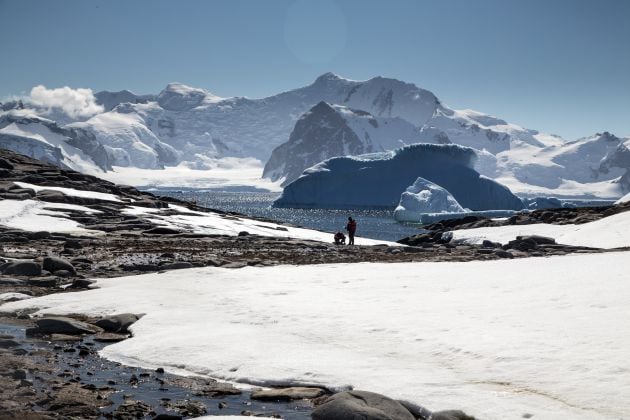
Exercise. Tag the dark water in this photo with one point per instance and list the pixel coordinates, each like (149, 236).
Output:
(155, 389)
(375, 224)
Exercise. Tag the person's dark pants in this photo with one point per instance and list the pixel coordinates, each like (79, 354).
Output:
(351, 236)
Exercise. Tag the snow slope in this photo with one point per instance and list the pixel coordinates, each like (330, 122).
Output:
(128, 141)
(25, 132)
(32, 215)
(377, 180)
(609, 232)
(194, 121)
(498, 339)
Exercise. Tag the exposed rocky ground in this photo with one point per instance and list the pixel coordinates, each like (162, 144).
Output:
(54, 372)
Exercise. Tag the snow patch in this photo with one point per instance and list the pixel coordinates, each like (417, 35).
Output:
(609, 232)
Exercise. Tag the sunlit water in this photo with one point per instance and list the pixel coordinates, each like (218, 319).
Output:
(375, 224)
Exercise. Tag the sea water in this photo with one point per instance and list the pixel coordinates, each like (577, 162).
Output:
(374, 224)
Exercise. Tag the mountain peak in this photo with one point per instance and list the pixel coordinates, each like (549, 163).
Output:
(328, 77)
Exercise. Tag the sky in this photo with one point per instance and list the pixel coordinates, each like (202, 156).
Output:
(560, 66)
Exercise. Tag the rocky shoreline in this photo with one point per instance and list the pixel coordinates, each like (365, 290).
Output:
(60, 375)
(52, 371)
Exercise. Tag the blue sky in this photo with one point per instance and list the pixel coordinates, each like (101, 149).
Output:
(560, 66)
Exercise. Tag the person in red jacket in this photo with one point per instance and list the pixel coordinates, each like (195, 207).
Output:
(351, 227)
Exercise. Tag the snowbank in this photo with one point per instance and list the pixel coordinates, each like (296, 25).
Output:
(71, 192)
(32, 216)
(425, 197)
(377, 180)
(609, 232)
(222, 224)
(497, 339)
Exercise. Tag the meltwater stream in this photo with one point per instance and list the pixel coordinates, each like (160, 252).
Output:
(374, 224)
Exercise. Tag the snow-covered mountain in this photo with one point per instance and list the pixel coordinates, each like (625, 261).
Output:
(193, 128)
(328, 130)
(377, 180)
(528, 161)
(25, 132)
(110, 100)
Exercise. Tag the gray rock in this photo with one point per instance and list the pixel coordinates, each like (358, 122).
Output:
(287, 394)
(72, 244)
(539, 240)
(38, 235)
(63, 273)
(15, 196)
(12, 282)
(161, 230)
(451, 415)
(63, 325)
(489, 244)
(6, 343)
(54, 264)
(44, 282)
(22, 268)
(82, 284)
(176, 265)
(5, 164)
(362, 405)
(117, 323)
(503, 254)
(108, 337)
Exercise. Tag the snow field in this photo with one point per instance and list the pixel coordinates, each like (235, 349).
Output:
(609, 232)
(71, 192)
(31, 215)
(498, 339)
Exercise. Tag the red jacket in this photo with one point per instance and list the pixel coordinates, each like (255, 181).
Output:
(351, 227)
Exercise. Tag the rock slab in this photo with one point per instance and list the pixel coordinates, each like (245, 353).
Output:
(361, 405)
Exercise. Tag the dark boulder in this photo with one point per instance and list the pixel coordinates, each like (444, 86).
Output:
(176, 265)
(5, 164)
(539, 240)
(503, 254)
(63, 325)
(117, 323)
(451, 415)
(73, 244)
(42, 234)
(22, 268)
(489, 244)
(361, 405)
(50, 281)
(161, 230)
(82, 284)
(54, 264)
